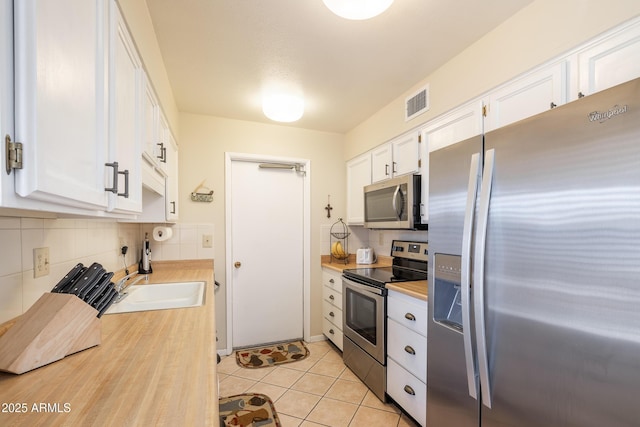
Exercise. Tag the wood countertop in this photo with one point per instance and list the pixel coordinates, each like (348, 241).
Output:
(337, 265)
(153, 368)
(416, 289)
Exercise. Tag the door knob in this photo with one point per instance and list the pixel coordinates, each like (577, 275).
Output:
(237, 264)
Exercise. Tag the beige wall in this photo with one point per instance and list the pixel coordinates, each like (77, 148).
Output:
(543, 30)
(203, 143)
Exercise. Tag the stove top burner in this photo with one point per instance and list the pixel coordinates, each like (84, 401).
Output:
(409, 264)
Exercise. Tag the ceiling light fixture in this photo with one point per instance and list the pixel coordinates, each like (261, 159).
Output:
(282, 107)
(357, 9)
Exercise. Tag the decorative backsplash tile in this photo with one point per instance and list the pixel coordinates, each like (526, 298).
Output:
(71, 241)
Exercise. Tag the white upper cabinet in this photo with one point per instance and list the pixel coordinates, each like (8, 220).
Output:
(609, 62)
(358, 176)
(399, 156)
(150, 112)
(172, 180)
(125, 118)
(534, 93)
(406, 154)
(454, 126)
(60, 105)
(381, 163)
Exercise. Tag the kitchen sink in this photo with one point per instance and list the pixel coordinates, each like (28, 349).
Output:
(160, 297)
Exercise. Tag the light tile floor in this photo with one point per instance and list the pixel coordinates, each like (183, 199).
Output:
(317, 391)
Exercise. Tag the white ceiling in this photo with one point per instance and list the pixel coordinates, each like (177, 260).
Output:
(221, 54)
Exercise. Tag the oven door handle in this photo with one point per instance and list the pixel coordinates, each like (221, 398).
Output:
(359, 287)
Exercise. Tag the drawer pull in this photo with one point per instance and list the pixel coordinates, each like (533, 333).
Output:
(331, 331)
(331, 314)
(332, 281)
(410, 350)
(331, 297)
(409, 390)
(410, 316)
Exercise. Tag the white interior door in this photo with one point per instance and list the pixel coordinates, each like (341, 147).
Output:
(267, 220)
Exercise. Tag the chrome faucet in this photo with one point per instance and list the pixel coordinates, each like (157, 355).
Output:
(122, 285)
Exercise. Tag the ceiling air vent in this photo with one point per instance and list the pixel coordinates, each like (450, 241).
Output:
(416, 104)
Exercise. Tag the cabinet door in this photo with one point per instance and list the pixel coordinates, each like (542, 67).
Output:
(125, 116)
(172, 180)
(164, 135)
(358, 176)
(60, 105)
(150, 131)
(381, 163)
(405, 154)
(612, 61)
(527, 96)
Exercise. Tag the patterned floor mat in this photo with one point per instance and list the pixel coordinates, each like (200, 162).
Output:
(276, 354)
(248, 410)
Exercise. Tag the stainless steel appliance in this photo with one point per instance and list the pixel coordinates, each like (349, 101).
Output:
(534, 272)
(365, 313)
(394, 203)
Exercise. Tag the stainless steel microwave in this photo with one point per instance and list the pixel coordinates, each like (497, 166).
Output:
(394, 204)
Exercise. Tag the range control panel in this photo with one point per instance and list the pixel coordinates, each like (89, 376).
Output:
(410, 250)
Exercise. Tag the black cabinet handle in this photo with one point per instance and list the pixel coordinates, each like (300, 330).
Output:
(331, 314)
(331, 297)
(410, 350)
(331, 281)
(409, 390)
(126, 184)
(116, 172)
(173, 207)
(331, 331)
(113, 189)
(410, 316)
(163, 153)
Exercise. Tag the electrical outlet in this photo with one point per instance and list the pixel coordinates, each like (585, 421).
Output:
(40, 262)
(207, 241)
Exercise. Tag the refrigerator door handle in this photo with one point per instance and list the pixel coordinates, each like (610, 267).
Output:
(465, 274)
(478, 271)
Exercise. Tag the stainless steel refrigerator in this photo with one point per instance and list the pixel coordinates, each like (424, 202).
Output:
(534, 270)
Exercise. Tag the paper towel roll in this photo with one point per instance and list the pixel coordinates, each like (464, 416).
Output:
(161, 234)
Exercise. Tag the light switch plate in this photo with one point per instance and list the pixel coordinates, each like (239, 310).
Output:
(40, 262)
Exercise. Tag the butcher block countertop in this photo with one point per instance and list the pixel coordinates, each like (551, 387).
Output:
(153, 368)
(416, 289)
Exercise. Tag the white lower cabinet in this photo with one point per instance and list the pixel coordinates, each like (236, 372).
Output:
(407, 353)
(408, 391)
(332, 306)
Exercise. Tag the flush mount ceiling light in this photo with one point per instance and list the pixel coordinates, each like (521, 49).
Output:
(357, 9)
(282, 107)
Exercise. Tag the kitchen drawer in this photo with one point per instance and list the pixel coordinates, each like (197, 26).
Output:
(400, 385)
(332, 297)
(408, 311)
(332, 332)
(401, 339)
(328, 310)
(332, 279)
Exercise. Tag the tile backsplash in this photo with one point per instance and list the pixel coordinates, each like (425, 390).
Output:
(71, 241)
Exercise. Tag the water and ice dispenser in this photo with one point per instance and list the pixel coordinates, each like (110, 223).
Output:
(447, 302)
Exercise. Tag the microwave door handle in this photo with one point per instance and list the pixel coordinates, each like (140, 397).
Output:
(394, 204)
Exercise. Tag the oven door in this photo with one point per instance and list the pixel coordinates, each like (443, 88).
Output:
(364, 317)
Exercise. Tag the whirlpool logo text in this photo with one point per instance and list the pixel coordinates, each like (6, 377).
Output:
(603, 116)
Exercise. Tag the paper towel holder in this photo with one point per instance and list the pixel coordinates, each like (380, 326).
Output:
(200, 194)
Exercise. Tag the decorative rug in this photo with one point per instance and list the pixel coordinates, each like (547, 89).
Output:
(251, 409)
(275, 354)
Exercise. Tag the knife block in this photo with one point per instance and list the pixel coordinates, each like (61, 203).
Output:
(55, 326)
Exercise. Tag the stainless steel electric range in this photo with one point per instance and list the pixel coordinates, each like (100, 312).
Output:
(365, 311)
